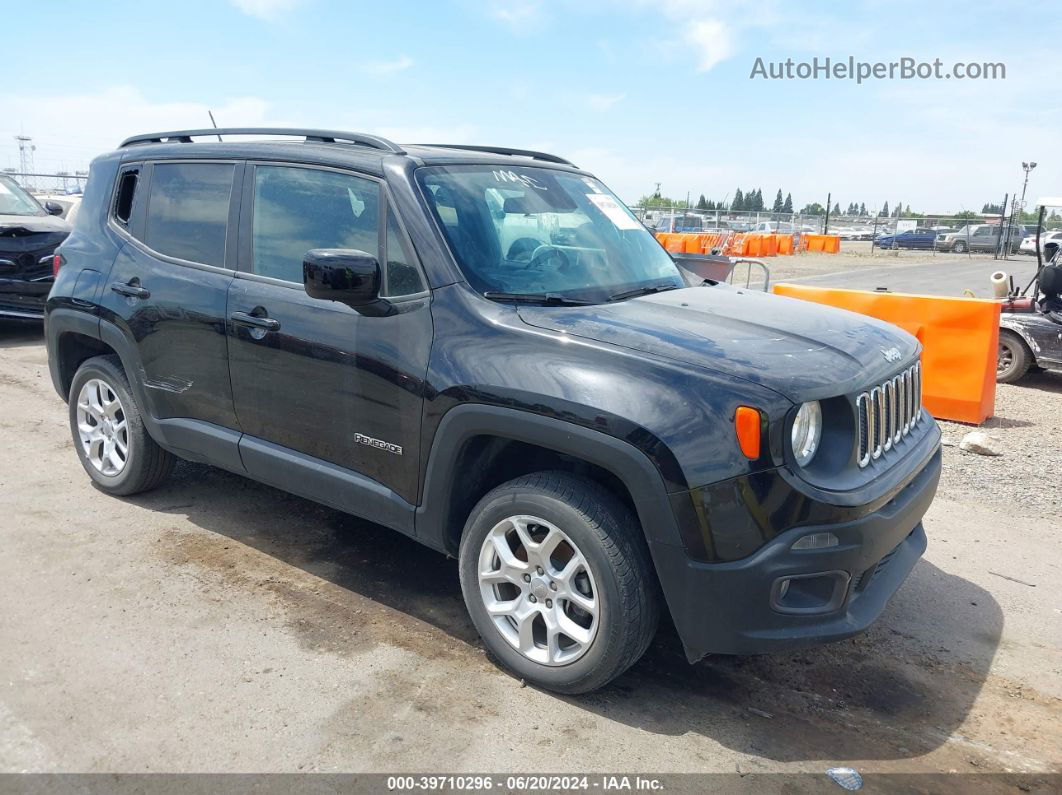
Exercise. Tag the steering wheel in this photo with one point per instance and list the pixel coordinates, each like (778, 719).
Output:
(546, 252)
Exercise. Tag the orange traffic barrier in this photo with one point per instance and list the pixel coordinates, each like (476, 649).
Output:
(825, 244)
(785, 245)
(960, 337)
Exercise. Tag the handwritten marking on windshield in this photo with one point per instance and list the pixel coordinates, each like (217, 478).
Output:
(523, 179)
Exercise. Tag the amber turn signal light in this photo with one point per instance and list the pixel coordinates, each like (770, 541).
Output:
(747, 427)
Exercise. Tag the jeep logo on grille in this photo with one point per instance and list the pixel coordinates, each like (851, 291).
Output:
(891, 354)
(379, 444)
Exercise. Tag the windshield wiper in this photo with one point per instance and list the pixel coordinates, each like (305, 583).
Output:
(655, 288)
(546, 299)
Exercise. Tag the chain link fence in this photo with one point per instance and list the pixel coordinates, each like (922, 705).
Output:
(961, 233)
(43, 184)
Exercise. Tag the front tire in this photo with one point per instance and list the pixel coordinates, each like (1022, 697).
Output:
(959, 247)
(1015, 358)
(109, 434)
(558, 581)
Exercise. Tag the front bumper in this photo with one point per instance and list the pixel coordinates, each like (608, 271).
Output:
(23, 298)
(733, 607)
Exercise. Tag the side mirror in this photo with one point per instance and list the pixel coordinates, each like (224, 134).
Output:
(53, 208)
(346, 275)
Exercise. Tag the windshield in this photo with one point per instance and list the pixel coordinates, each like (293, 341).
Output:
(537, 231)
(15, 201)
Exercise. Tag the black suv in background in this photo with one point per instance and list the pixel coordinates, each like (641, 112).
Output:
(29, 234)
(482, 348)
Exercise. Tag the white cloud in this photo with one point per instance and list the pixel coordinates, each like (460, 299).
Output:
(388, 67)
(604, 101)
(269, 10)
(520, 15)
(713, 40)
(100, 120)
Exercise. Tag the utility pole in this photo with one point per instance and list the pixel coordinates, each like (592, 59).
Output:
(25, 156)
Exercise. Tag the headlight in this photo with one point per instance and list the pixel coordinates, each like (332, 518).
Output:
(807, 431)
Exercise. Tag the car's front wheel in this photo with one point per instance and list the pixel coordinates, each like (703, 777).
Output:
(959, 247)
(109, 434)
(557, 579)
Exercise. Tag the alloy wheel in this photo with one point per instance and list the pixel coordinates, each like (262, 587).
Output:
(102, 427)
(538, 590)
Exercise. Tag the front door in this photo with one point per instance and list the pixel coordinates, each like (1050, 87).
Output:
(314, 376)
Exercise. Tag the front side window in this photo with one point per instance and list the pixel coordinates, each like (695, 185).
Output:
(188, 211)
(15, 201)
(298, 209)
(538, 231)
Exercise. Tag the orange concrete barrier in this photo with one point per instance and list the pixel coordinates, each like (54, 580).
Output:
(960, 337)
(785, 244)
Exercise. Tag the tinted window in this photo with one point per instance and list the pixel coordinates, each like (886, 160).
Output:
(297, 209)
(188, 210)
(401, 278)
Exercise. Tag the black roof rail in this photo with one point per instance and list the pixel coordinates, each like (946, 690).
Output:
(323, 136)
(502, 150)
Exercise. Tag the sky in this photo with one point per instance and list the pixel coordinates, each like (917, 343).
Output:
(636, 91)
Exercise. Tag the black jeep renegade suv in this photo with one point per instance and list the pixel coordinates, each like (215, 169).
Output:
(483, 349)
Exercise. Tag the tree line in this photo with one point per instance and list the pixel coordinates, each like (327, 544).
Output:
(752, 202)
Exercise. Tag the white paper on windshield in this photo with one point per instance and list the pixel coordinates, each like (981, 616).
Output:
(4, 188)
(592, 185)
(616, 214)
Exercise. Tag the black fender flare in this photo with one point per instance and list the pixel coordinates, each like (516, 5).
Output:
(462, 423)
(62, 320)
(57, 322)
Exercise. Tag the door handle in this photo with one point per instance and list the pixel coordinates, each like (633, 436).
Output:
(132, 289)
(264, 323)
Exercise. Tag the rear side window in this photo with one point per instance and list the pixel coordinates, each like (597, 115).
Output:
(188, 211)
(297, 209)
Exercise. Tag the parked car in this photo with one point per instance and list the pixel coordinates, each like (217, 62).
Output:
(977, 237)
(773, 228)
(910, 238)
(29, 234)
(68, 202)
(482, 348)
(1028, 245)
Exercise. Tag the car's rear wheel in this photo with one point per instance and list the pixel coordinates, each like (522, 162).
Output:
(109, 434)
(1015, 358)
(557, 579)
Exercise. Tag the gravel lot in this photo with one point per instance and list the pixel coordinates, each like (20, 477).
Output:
(220, 625)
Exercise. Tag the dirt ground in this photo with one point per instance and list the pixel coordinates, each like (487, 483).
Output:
(220, 625)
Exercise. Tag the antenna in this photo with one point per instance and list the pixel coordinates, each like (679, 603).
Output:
(210, 113)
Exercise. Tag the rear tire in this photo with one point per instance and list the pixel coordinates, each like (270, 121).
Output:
(1015, 358)
(109, 434)
(525, 586)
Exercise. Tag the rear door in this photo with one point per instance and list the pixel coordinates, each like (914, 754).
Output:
(313, 376)
(168, 286)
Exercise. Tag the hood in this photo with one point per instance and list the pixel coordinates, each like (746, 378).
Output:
(799, 349)
(15, 225)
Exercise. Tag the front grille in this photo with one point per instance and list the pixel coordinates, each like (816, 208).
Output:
(887, 413)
